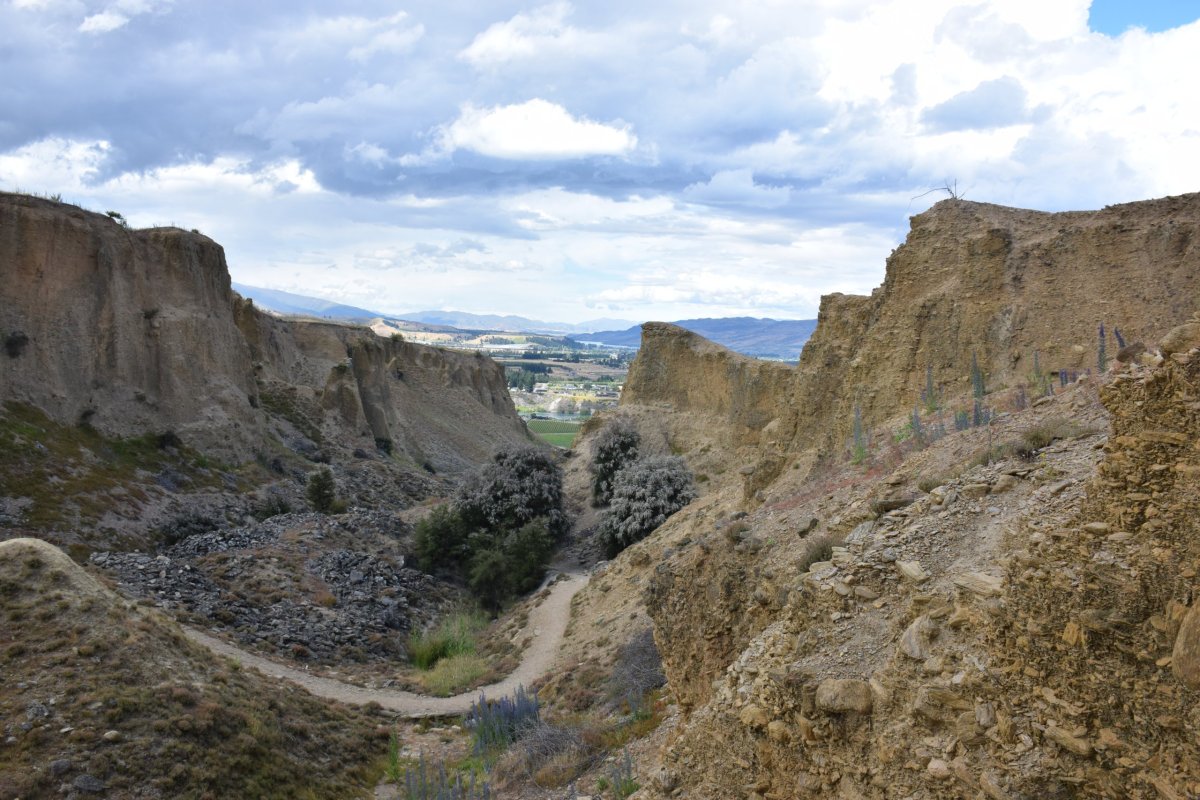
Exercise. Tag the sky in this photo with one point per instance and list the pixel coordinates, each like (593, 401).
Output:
(567, 161)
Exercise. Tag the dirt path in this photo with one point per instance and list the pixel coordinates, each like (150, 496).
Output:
(547, 624)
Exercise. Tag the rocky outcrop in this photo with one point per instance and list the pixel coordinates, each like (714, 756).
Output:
(972, 280)
(1023, 630)
(130, 331)
(136, 331)
(999, 284)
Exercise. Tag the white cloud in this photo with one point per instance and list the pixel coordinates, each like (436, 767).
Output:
(104, 22)
(523, 36)
(737, 188)
(536, 129)
(53, 165)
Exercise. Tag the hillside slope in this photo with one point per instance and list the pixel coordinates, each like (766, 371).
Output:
(99, 698)
(137, 382)
(1002, 612)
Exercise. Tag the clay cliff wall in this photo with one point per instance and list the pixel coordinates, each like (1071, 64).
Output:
(136, 331)
(971, 280)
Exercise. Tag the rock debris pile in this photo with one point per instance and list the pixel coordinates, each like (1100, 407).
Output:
(305, 586)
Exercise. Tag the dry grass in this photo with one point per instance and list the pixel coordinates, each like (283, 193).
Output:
(817, 547)
(74, 476)
(189, 724)
(454, 674)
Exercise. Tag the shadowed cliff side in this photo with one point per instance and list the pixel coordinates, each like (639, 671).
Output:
(435, 408)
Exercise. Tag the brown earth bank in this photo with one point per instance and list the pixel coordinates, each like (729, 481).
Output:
(1002, 611)
(118, 340)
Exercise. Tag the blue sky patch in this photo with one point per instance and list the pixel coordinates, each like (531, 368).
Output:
(1114, 17)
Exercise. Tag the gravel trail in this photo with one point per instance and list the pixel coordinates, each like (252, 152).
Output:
(547, 624)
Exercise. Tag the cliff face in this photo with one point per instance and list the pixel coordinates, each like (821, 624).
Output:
(128, 330)
(1027, 628)
(435, 408)
(1001, 284)
(971, 279)
(138, 331)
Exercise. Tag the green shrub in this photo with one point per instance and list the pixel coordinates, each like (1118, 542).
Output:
(616, 447)
(322, 492)
(441, 541)
(500, 530)
(520, 485)
(643, 496)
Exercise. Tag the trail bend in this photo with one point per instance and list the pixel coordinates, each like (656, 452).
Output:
(547, 624)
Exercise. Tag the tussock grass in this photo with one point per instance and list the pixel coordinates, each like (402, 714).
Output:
(455, 635)
(455, 674)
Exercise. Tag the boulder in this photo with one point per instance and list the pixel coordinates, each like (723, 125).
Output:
(1185, 658)
(839, 696)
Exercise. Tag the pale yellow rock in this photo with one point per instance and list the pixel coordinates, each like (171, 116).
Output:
(914, 642)
(1181, 338)
(912, 571)
(779, 731)
(1185, 656)
(980, 583)
(753, 716)
(1075, 744)
(838, 696)
(1003, 484)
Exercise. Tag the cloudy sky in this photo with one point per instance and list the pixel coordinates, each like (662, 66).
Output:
(638, 159)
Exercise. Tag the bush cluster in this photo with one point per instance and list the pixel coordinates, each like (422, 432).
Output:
(644, 494)
(616, 448)
(500, 529)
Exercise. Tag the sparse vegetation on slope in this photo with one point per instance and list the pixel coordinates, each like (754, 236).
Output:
(112, 696)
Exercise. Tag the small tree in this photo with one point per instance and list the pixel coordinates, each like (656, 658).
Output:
(1101, 354)
(441, 541)
(322, 492)
(644, 494)
(616, 447)
(978, 388)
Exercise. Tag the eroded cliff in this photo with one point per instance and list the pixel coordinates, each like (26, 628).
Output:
(1002, 612)
(971, 281)
(135, 332)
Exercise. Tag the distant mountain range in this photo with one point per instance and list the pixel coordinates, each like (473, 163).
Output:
(765, 338)
(508, 322)
(288, 303)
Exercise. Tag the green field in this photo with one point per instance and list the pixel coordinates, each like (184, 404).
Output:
(556, 432)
